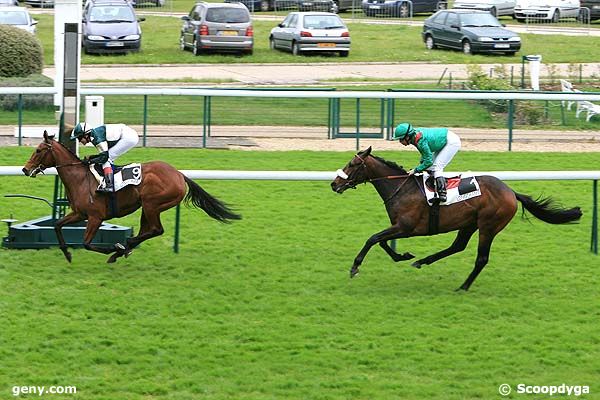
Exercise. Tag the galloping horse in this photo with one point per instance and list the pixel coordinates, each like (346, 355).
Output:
(409, 212)
(162, 187)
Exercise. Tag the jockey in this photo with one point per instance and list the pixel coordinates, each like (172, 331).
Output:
(112, 141)
(437, 147)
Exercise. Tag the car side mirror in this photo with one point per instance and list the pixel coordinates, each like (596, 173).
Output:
(141, 19)
(455, 27)
(281, 25)
(185, 18)
(503, 25)
(34, 22)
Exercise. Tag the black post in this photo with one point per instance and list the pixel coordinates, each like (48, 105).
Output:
(594, 241)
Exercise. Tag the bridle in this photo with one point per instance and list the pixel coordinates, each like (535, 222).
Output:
(41, 167)
(351, 181)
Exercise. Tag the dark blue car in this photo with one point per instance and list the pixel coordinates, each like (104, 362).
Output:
(469, 31)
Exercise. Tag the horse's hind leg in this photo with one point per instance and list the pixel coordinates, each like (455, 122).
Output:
(459, 244)
(483, 254)
(150, 226)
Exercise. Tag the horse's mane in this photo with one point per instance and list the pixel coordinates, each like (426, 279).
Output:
(66, 148)
(391, 164)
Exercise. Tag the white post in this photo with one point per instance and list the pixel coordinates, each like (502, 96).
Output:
(65, 11)
(534, 71)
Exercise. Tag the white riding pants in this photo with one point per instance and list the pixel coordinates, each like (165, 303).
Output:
(129, 138)
(445, 155)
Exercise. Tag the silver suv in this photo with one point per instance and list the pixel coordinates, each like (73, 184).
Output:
(217, 26)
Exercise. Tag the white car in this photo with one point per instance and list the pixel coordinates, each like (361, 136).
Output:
(550, 10)
(495, 7)
(18, 17)
(303, 32)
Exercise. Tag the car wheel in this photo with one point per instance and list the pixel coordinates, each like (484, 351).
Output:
(264, 5)
(272, 44)
(511, 53)
(493, 11)
(344, 53)
(555, 16)
(182, 45)
(403, 10)
(466, 47)
(429, 43)
(295, 49)
(196, 47)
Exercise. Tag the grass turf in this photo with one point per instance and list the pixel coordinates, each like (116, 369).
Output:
(263, 308)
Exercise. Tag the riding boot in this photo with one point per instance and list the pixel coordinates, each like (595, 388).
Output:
(109, 186)
(440, 183)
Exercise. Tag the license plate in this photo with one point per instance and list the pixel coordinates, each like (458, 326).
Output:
(326, 44)
(375, 7)
(228, 33)
(114, 44)
(502, 46)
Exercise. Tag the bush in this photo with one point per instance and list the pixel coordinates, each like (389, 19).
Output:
(21, 52)
(479, 80)
(9, 102)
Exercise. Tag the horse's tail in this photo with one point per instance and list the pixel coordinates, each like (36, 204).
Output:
(545, 210)
(215, 208)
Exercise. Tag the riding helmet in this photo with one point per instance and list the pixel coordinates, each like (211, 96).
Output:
(402, 130)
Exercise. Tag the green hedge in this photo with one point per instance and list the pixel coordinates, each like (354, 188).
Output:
(21, 52)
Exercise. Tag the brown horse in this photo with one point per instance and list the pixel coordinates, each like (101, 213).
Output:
(162, 187)
(409, 212)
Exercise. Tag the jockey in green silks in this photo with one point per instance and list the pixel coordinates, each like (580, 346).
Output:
(111, 141)
(437, 147)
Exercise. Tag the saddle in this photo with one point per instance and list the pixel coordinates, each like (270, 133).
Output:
(124, 175)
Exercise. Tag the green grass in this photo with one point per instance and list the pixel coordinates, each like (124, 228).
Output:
(383, 43)
(263, 308)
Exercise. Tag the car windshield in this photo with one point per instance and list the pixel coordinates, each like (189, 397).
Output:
(323, 22)
(227, 15)
(13, 18)
(112, 14)
(478, 20)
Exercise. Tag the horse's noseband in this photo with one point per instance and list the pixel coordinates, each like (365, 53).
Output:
(351, 179)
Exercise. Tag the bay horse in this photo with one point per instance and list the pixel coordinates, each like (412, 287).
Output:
(408, 211)
(161, 188)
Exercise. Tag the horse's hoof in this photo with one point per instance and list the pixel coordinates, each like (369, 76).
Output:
(128, 253)
(416, 264)
(462, 289)
(353, 273)
(119, 247)
(111, 259)
(68, 257)
(407, 256)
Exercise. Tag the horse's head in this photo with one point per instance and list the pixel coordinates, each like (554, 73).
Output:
(354, 173)
(41, 158)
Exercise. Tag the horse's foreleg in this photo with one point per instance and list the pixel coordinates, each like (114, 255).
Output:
(90, 231)
(459, 244)
(393, 232)
(395, 256)
(70, 218)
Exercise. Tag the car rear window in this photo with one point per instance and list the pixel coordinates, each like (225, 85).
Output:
(227, 15)
(13, 18)
(112, 14)
(322, 22)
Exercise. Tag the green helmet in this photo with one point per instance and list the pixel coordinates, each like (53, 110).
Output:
(402, 130)
(78, 131)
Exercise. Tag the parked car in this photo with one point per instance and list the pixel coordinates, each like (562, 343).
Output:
(110, 26)
(18, 17)
(217, 26)
(267, 5)
(317, 5)
(344, 5)
(402, 8)
(546, 10)
(594, 10)
(469, 31)
(40, 3)
(302, 32)
(141, 3)
(9, 3)
(495, 7)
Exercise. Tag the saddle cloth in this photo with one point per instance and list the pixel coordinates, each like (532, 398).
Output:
(130, 174)
(459, 188)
